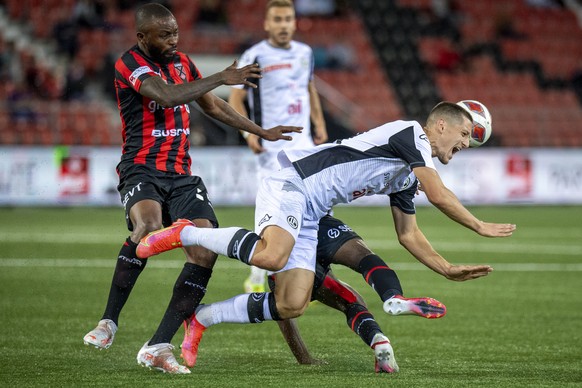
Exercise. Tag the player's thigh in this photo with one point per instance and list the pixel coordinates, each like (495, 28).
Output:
(293, 291)
(142, 196)
(351, 253)
(145, 216)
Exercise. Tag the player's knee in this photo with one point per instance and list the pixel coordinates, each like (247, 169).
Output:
(270, 261)
(289, 310)
(142, 228)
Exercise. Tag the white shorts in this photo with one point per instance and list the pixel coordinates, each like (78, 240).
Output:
(281, 202)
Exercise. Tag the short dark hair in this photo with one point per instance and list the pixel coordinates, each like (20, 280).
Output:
(279, 3)
(450, 110)
(147, 12)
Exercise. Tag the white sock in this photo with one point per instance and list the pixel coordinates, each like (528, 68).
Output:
(216, 240)
(258, 275)
(233, 310)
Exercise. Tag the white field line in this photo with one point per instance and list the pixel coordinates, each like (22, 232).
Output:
(492, 245)
(487, 246)
(229, 264)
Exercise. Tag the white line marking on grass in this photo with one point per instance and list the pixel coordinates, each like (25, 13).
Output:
(231, 264)
(506, 247)
(492, 246)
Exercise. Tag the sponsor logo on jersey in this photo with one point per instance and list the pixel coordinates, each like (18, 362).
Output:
(294, 108)
(278, 66)
(265, 218)
(423, 137)
(153, 106)
(170, 132)
(292, 221)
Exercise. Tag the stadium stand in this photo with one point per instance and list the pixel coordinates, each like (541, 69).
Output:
(505, 58)
(521, 61)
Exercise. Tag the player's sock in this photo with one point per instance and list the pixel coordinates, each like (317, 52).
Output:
(380, 277)
(127, 270)
(362, 322)
(188, 292)
(244, 308)
(236, 243)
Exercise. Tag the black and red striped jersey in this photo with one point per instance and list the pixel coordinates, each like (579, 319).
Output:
(153, 135)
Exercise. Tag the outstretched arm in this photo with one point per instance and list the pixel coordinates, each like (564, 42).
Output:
(412, 238)
(290, 332)
(170, 95)
(446, 201)
(220, 110)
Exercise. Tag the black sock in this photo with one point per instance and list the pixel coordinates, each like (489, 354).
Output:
(127, 271)
(362, 322)
(242, 244)
(188, 292)
(380, 277)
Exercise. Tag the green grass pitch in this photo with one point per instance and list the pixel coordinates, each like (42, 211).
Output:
(519, 327)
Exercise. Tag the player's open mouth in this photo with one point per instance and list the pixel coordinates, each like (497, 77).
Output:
(456, 149)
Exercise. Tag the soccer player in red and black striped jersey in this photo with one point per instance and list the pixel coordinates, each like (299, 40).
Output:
(154, 84)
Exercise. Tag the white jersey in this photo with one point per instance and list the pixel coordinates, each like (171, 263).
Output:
(282, 95)
(379, 161)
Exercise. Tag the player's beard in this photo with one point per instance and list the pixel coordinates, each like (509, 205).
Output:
(163, 57)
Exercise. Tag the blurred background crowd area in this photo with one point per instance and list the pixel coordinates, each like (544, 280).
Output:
(375, 61)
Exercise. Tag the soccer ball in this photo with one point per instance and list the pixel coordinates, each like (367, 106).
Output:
(481, 122)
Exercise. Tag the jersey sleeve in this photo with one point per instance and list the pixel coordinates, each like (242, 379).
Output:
(404, 200)
(132, 72)
(412, 146)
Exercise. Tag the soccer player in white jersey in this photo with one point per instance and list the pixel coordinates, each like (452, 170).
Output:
(388, 160)
(285, 94)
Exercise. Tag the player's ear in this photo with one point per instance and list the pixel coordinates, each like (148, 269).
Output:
(441, 124)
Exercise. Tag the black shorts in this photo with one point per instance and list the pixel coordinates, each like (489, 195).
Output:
(181, 196)
(332, 234)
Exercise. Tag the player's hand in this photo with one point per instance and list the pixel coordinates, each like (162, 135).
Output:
(319, 135)
(233, 76)
(460, 273)
(254, 143)
(488, 229)
(311, 361)
(278, 133)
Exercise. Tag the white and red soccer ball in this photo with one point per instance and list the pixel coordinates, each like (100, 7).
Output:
(481, 122)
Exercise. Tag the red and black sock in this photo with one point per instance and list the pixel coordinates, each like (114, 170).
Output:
(380, 277)
(362, 322)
